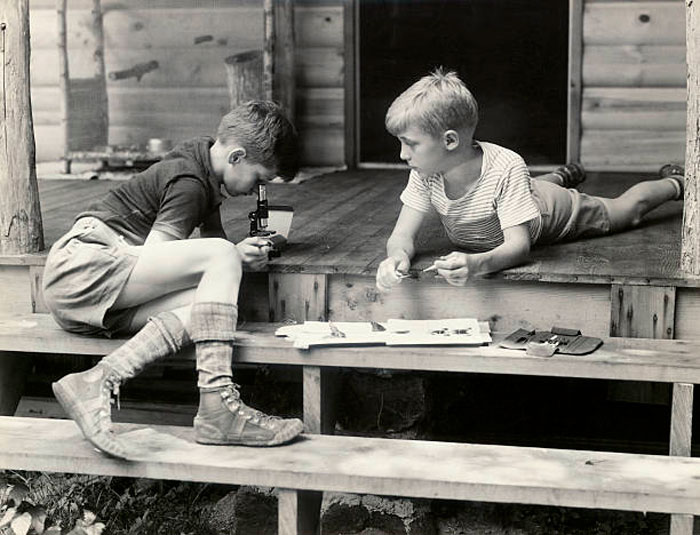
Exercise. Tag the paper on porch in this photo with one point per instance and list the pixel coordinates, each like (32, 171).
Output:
(454, 331)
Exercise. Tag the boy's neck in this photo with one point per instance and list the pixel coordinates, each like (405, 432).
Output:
(466, 163)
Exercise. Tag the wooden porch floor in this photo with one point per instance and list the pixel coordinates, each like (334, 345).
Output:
(342, 221)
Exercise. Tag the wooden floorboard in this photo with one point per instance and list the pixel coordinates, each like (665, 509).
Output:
(342, 221)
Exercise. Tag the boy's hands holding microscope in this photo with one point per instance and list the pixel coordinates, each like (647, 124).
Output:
(453, 267)
(254, 252)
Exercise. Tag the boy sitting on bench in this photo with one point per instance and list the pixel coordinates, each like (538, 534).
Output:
(127, 267)
(483, 193)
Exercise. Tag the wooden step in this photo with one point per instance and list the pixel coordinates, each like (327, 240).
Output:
(408, 468)
(666, 361)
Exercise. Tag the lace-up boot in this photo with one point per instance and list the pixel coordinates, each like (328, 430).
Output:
(571, 174)
(87, 396)
(223, 418)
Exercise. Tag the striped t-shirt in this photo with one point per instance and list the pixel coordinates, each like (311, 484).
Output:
(500, 198)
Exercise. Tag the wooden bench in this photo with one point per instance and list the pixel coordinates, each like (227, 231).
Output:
(406, 468)
(668, 361)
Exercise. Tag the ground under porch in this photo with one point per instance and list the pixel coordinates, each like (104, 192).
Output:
(628, 284)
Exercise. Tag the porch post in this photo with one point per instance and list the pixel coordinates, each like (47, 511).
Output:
(20, 215)
(690, 253)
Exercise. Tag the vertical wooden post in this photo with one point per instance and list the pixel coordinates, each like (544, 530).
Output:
(680, 443)
(21, 229)
(573, 138)
(63, 77)
(297, 511)
(244, 77)
(100, 70)
(690, 253)
(278, 53)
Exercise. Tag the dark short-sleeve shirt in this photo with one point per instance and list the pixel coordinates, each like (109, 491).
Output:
(174, 195)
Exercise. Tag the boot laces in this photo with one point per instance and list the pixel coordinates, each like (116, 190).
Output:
(232, 397)
(110, 391)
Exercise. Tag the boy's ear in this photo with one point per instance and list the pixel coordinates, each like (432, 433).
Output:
(236, 155)
(451, 139)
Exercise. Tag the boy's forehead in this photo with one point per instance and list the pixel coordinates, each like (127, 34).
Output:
(412, 132)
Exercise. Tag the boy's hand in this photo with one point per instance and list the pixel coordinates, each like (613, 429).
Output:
(254, 252)
(454, 267)
(388, 272)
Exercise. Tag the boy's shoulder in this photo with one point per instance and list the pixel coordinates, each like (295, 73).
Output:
(497, 155)
(189, 157)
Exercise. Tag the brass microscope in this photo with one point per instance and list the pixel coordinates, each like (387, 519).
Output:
(260, 222)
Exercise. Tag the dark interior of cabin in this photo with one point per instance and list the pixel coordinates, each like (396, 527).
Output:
(522, 107)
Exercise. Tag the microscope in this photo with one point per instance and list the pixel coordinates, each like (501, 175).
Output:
(260, 224)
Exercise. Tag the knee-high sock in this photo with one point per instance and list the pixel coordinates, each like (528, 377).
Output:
(213, 330)
(163, 335)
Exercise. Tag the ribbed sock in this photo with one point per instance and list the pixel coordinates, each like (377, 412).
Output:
(213, 330)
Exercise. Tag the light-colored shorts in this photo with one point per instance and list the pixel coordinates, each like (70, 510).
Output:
(568, 214)
(85, 272)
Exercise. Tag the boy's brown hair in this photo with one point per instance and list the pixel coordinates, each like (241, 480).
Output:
(268, 137)
(436, 103)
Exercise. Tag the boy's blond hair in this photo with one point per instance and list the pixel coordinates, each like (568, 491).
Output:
(436, 103)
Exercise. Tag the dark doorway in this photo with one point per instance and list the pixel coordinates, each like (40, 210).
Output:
(512, 54)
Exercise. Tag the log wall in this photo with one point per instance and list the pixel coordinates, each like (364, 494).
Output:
(186, 94)
(633, 77)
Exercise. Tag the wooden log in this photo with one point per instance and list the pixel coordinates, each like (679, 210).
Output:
(278, 53)
(690, 253)
(636, 22)
(185, 67)
(634, 66)
(244, 74)
(630, 150)
(20, 214)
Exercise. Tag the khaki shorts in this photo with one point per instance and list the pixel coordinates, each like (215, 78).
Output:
(568, 214)
(85, 272)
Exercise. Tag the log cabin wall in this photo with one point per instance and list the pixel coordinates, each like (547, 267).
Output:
(186, 94)
(633, 108)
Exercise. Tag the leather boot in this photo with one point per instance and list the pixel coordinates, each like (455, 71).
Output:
(223, 418)
(87, 396)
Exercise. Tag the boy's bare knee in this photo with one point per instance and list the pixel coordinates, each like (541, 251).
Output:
(226, 255)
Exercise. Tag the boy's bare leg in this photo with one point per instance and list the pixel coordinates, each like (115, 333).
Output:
(212, 266)
(627, 210)
(165, 274)
(222, 417)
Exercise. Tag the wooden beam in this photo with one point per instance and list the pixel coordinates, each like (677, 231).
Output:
(278, 53)
(690, 252)
(573, 138)
(680, 443)
(21, 229)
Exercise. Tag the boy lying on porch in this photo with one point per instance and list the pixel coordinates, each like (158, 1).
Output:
(483, 193)
(126, 267)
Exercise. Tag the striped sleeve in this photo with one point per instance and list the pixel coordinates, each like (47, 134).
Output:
(416, 194)
(514, 201)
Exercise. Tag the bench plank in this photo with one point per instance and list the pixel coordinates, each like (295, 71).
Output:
(669, 361)
(359, 465)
